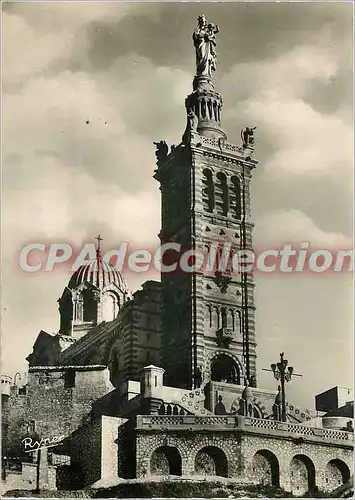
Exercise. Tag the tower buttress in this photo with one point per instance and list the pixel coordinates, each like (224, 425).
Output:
(209, 314)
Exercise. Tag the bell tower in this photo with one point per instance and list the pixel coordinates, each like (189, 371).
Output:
(208, 313)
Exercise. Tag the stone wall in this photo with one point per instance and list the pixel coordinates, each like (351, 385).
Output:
(297, 461)
(53, 404)
(26, 478)
(94, 450)
(109, 452)
(86, 452)
(189, 446)
(250, 450)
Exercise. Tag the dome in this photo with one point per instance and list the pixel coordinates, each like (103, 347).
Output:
(99, 273)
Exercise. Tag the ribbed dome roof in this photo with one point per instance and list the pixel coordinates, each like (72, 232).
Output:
(99, 273)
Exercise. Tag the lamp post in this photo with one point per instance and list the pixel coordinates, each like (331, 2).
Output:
(283, 373)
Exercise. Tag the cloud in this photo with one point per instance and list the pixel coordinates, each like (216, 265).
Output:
(92, 125)
(305, 151)
(36, 52)
(308, 143)
(293, 226)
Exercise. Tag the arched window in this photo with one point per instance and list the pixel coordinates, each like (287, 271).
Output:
(215, 111)
(209, 107)
(109, 307)
(224, 260)
(207, 191)
(221, 194)
(90, 306)
(208, 316)
(231, 321)
(236, 198)
(215, 317)
(224, 317)
(238, 321)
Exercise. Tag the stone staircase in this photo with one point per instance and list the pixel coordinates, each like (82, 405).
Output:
(192, 402)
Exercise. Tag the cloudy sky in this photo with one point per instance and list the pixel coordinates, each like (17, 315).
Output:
(127, 68)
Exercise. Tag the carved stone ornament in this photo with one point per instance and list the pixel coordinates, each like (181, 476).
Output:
(224, 337)
(162, 150)
(222, 280)
(248, 139)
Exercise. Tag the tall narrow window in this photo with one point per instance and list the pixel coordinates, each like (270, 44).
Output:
(215, 317)
(207, 191)
(224, 317)
(236, 198)
(90, 306)
(108, 307)
(208, 316)
(231, 319)
(224, 260)
(221, 194)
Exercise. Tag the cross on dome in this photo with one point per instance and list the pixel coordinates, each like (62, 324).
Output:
(99, 239)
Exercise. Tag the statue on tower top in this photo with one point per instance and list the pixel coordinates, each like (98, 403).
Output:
(204, 38)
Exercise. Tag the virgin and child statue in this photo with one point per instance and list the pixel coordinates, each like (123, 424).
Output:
(204, 38)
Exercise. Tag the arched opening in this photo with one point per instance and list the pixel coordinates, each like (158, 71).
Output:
(109, 307)
(207, 191)
(208, 316)
(211, 461)
(265, 469)
(215, 317)
(236, 199)
(165, 461)
(224, 261)
(224, 317)
(231, 319)
(336, 474)
(224, 369)
(221, 194)
(89, 306)
(303, 476)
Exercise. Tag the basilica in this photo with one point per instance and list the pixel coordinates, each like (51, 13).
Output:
(163, 382)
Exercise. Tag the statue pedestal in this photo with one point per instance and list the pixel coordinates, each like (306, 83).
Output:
(203, 82)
